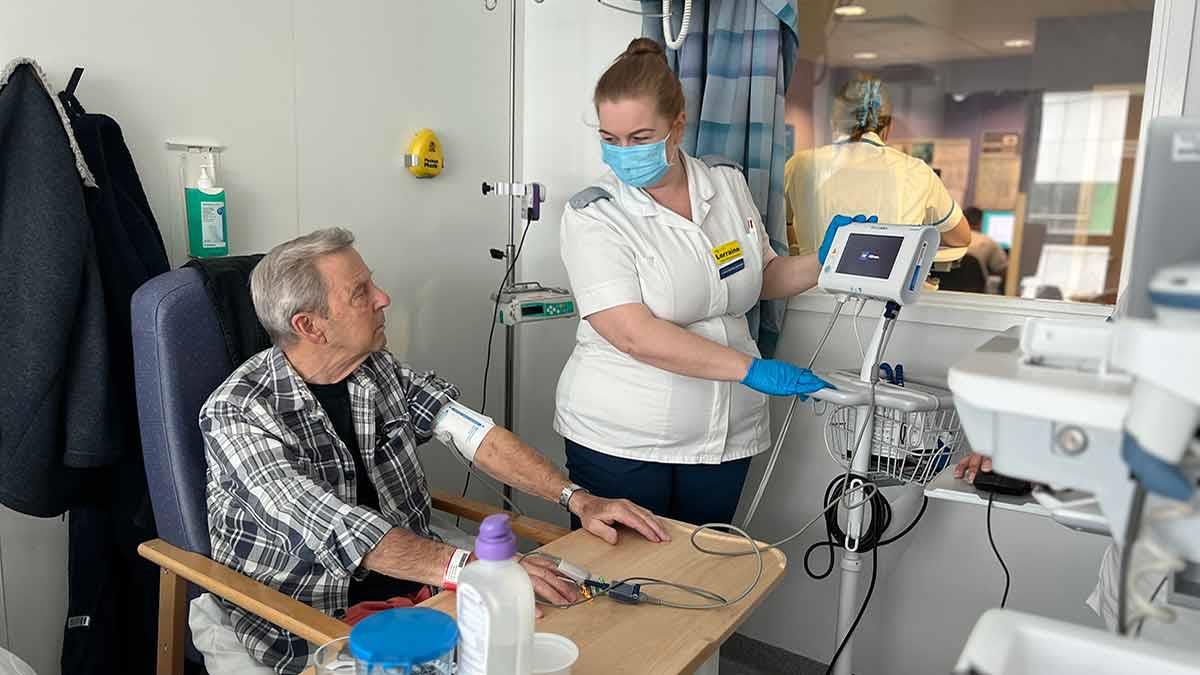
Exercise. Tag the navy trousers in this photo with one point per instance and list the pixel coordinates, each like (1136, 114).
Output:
(693, 493)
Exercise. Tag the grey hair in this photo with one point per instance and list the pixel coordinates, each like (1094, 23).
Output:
(287, 282)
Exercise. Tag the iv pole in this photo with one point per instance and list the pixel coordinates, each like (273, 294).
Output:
(531, 195)
(510, 249)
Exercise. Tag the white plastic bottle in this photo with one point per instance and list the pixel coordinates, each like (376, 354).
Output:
(495, 606)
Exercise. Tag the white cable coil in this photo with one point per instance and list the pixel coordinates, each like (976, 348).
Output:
(671, 42)
(676, 42)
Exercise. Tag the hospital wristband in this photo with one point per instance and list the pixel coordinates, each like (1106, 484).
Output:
(454, 568)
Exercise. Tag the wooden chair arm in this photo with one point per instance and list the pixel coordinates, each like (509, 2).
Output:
(179, 567)
(282, 610)
(532, 529)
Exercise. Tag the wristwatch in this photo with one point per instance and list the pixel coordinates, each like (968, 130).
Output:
(564, 497)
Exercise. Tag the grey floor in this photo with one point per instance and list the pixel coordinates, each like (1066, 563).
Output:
(741, 655)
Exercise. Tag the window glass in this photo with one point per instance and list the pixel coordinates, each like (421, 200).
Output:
(1012, 126)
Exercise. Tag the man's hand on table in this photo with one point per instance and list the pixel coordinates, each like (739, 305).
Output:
(598, 516)
(547, 584)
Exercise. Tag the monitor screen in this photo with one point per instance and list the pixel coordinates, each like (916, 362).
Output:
(869, 255)
(999, 225)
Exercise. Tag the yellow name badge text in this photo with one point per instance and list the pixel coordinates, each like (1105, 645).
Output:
(727, 253)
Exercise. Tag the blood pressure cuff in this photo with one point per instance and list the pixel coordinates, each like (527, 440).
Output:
(461, 428)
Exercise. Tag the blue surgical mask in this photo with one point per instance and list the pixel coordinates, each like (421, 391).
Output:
(638, 166)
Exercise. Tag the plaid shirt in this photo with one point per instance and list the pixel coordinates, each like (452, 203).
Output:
(282, 490)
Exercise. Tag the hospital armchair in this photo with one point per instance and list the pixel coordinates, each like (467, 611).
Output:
(180, 359)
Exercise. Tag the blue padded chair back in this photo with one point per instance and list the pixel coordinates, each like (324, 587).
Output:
(180, 358)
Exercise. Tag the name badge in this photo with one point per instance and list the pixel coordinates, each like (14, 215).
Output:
(729, 259)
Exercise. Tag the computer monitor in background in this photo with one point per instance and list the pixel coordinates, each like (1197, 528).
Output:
(999, 225)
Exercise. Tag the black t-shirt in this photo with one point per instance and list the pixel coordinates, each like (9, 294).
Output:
(335, 399)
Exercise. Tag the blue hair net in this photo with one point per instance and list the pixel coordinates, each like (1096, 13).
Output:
(872, 103)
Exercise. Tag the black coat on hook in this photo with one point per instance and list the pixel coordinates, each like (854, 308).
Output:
(112, 592)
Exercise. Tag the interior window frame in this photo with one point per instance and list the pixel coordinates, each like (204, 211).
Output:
(1166, 84)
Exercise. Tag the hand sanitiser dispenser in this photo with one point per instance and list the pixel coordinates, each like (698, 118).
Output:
(207, 228)
(206, 223)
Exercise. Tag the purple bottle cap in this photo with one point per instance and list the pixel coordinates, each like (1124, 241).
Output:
(495, 540)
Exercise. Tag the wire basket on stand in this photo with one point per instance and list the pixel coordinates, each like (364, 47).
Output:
(916, 432)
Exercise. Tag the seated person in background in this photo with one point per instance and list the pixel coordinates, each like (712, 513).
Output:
(967, 277)
(982, 247)
(314, 485)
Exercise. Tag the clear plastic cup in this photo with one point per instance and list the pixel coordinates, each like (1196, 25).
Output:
(553, 654)
(333, 658)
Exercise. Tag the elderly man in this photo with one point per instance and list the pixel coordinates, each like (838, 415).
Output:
(314, 485)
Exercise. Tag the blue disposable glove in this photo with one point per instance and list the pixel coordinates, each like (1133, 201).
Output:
(780, 378)
(835, 225)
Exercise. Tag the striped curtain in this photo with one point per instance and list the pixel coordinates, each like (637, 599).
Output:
(735, 65)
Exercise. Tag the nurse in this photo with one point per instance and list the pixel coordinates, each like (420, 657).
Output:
(663, 400)
(860, 173)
